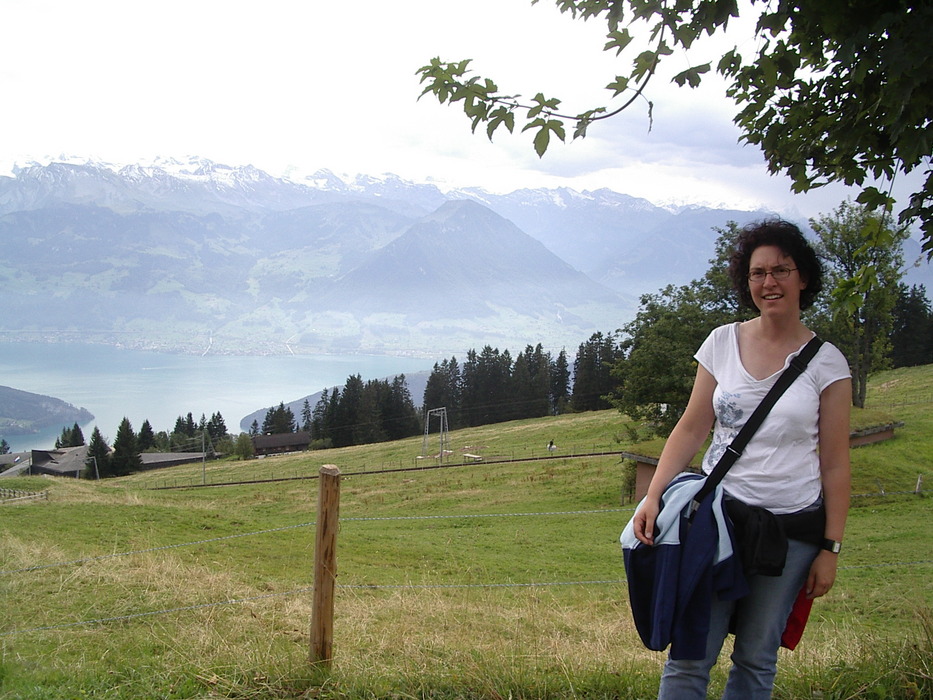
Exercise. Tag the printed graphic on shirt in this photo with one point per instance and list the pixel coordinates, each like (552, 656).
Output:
(729, 416)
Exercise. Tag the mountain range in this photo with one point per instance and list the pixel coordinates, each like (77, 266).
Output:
(200, 257)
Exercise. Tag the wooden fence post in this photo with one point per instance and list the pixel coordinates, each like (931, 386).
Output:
(325, 565)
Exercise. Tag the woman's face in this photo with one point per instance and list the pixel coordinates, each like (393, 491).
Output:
(774, 281)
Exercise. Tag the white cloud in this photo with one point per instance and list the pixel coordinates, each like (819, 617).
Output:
(307, 84)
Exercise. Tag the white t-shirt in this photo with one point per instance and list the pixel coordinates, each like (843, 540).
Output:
(780, 468)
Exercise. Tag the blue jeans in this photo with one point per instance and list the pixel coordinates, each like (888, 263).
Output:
(760, 618)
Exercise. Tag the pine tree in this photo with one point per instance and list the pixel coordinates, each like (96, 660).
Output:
(97, 462)
(319, 418)
(912, 334)
(216, 427)
(278, 420)
(306, 417)
(70, 437)
(592, 379)
(146, 439)
(560, 383)
(400, 417)
(443, 390)
(347, 413)
(125, 458)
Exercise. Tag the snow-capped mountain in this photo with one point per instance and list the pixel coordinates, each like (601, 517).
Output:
(170, 253)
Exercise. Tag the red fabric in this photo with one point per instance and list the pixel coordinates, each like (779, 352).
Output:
(797, 620)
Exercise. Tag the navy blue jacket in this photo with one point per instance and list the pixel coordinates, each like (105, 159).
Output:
(672, 584)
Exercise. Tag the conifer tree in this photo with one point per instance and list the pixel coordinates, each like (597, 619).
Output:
(216, 427)
(560, 382)
(912, 335)
(306, 417)
(70, 437)
(279, 420)
(146, 439)
(125, 458)
(97, 461)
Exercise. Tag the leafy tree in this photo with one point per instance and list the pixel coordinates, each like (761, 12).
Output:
(97, 461)
(861, 315)
(125, 458)
(4, 447)
(655, 374)
(832, 91)
(912, 332)
(146, 440)
(254, 427)
(162, 441)
(243, 447)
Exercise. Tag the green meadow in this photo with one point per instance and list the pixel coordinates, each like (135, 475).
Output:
(500, 578)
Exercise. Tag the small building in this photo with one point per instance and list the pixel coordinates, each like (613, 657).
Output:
(161, 460)
(15, 463)
(280, 443)
(63, 461)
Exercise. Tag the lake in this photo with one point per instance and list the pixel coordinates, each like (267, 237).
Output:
(112, 383)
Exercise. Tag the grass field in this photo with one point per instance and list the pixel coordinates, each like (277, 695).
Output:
(474, 581)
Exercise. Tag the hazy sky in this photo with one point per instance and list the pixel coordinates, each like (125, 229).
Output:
(299, 85)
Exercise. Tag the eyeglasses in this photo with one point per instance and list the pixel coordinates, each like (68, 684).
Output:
(778, 273)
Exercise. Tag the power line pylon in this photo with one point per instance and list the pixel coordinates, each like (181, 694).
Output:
(441, 414)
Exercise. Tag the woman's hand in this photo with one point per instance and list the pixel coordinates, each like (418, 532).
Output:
(822, 574)
(644, 521)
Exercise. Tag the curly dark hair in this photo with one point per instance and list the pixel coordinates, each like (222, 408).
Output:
(792, 243)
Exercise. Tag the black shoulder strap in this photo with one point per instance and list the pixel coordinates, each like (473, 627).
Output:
(735, 449)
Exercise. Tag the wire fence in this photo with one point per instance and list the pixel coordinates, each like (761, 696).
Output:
(368, 586)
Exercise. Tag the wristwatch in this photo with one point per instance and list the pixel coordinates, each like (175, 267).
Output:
(833, 546)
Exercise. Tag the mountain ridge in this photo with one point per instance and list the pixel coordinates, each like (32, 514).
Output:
(185, 255)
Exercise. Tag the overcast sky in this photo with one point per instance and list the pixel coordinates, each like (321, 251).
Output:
(292, 86)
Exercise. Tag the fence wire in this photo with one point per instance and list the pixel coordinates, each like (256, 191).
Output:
(375, 587)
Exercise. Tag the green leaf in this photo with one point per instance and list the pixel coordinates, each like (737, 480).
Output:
(691, 76)
(542, 138)
(872, 198)
(498, 117)
(618, 86)
(618, 41)
(644, 63)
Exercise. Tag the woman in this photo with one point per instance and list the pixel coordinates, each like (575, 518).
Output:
(799, 455)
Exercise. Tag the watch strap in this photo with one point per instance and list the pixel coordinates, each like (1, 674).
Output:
(833, 546)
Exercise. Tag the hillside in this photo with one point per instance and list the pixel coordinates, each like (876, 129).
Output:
(24, 413)
(903, 395)
(477, 581)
